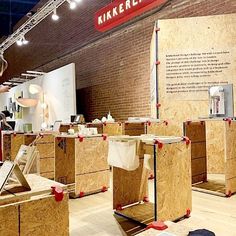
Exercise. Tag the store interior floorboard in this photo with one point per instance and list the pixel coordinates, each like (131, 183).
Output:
(93, 215)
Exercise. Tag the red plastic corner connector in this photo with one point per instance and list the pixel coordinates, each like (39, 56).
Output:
(104, 123)
(14, 134)
(229, 120)
(58, 193)
(119, 123)
(188, 122)
(158, 225)
(104, 137)
(119, 207)
(158, 29)
(186, 140)
(158, 62)
(151, 176)
(202, 122)
(41, 135)
(81, 138)
(104, 189)
(229, 194)
(188, 213)
(159, 144)
(81, 194)
(145, 199)
(166, 122)
(158, 105)
(149, 123)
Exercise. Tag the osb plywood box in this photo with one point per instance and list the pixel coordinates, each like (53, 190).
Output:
(45, 147)
(172, 184)
(65, 127)
(34, 212)
(196, 132)
(99, 126)
(11, 142)
(82, 161)
(124, 128)
(221, 156)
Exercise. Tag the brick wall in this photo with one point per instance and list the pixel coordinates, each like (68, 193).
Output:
(113, 73)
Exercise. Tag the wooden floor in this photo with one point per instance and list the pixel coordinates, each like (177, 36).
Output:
(93, 215)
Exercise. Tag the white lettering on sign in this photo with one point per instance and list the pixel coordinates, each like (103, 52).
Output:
(115, 11)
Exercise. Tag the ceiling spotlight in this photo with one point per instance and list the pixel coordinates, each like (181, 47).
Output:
(72, 4)
(19, 42)
(24, 41)
(54, 15)
(79, 1)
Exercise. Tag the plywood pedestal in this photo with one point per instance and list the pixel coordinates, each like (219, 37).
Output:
(34, 212)
(82, 164)
(172, 190)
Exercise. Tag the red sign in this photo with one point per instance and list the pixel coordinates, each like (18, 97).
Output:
(121, 11)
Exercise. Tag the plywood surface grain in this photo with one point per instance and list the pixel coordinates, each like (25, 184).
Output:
(113, 129)
(91, 155)
(164, 129)
(44, 216)
(16, 141)
(46, 149)
(129, 186)
(92, 182)
(65, 160)
(9, 219)
(173, 170)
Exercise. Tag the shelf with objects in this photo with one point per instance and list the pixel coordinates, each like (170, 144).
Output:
(213, 156)
(169, 157)
(81, 163)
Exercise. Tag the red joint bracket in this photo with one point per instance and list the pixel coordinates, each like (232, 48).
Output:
(149, 123)
(104, 189)
(126, 123)
(41, 135)
(158, 105)
(202, 122)
(229, 194)
(119, 207)
(81, 138)
(81, 194)
(186, 140)
(105, 124)
(159, 144)
(59, 139)
(229, 120)
(188, 213)
(158, 225)
(104, 137)
(158, 29)
(151, 176)
(58, 193)
(158, 62)
(188, 122)
(14, 134)
(145, 199)
(119, 123)
(166, 122)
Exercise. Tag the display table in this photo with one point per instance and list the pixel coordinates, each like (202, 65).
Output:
(81, 163)
(34, 212)
(172, 183)
(213, 153)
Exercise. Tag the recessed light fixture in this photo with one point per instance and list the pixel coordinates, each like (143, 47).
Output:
(22, 41)
(72, 4)
(55, 17)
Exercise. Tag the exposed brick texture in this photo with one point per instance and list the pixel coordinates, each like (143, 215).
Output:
(113, 72)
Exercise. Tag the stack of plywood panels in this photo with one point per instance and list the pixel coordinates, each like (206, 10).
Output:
(45, 147)
(81, 162)
(196, 132)
(124, 128)
(34, 212)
